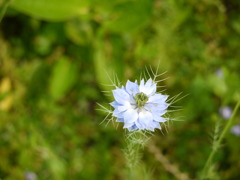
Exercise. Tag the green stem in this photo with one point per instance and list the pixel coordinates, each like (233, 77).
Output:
(134, 144)
(218, 142)
(3, 9)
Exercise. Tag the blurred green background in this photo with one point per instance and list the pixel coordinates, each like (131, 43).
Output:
(54, 55)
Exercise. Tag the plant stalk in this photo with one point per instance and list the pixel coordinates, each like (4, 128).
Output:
(218, 142)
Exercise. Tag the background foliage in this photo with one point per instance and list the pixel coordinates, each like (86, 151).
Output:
(54, 56)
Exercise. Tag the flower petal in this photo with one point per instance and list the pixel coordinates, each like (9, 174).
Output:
(115, 104)
(149, 88)
(141, 83)
(159, 118)
(128, 125)
(130, 116)
(149, 83)
(155, 125)
(156, 108)
(132, 88)
(120, 120)
(117, 113)
(157, 98)
(145, 117)
(161, 106)
(132, 128)
(152, 90)
(124, 107)
(142, 87)
(139, 124)
(157, 111)
(120, 95)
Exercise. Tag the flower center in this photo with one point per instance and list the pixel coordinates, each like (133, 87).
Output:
(141, 99)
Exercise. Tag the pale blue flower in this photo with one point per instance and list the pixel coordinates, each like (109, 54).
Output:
(139, 106)
(225, 112)
(30, 175)
(219, 73)
(236, 130)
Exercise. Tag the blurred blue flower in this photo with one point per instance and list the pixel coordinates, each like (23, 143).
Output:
(139, 106)
(236, 130)
(225, 112)
(30, 175)
(219, 73)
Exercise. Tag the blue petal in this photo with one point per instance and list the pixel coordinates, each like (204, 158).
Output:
(157, 125)
(156, 112)
(154, 125)
(149, 88)
(141, 83)
(121, 96)
(120, 120)
(139, 124)
(124, 107)
(128, 125)
(130, 116)
(132, 88)
(161, 106)
(117, 113)
(158, 98)
(115, 104)
(153, 89)
(132, 128)
(149, 83)
(156, 108)
(158, 118)
(151, 126)
(145, 118)
(142, 87)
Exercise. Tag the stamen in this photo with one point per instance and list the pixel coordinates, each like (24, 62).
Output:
(141, 99)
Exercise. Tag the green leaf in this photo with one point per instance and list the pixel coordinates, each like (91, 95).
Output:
(78, 31)
(130, 16)
(63, 78)
(52, 10)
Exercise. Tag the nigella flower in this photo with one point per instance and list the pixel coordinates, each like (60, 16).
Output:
(30, 175)
(236, 130)
(225, 112)
(139, 106)
(219, 73)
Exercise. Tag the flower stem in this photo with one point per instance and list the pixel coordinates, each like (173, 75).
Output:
(218, 142)
(3, 9)
(135, 142)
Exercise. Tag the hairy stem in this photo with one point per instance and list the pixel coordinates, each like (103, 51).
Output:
(135, 143)
(218, 142)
